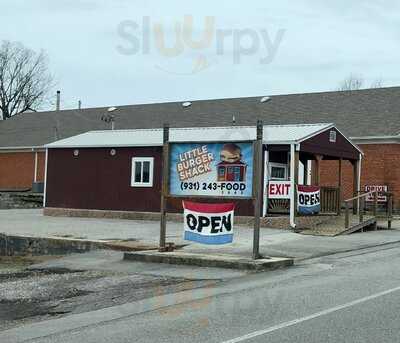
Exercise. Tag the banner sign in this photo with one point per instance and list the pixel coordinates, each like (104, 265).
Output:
(379, 189)
(208, 223)
(308, 199)
(211, 169)
(279, 190)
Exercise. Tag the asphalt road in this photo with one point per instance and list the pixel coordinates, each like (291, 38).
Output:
(350, 297)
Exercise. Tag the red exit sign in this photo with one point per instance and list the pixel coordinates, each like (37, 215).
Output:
(279, 190)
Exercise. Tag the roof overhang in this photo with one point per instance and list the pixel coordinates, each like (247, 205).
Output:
(272, 135)
(22, 149)
(376, 140)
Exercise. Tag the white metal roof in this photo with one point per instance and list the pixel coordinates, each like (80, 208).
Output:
(216, 134)
(273, 134)
(109, 138)
(287, 134)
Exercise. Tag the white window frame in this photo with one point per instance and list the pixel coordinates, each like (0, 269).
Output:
(332, 136)
(151, 171)
(277, 165)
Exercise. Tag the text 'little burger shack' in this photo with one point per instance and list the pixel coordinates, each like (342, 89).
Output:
(211, 169)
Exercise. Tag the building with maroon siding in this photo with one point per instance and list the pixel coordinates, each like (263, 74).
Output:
(95, 179)
(122, 170)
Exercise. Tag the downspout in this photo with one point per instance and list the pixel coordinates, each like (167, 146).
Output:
(45, 179)
(359, 182)
(36, 167)
(292, 185)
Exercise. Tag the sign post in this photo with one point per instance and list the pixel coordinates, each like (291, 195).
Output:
(164, 189)
(257, 186)
(213, 169)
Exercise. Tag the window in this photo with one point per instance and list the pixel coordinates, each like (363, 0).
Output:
(142, 172)
(277, 171)
(237, 174)
(332, 136)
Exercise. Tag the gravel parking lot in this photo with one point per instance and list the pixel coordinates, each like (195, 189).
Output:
(30, 294)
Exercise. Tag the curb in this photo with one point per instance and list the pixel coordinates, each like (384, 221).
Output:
(11, 245)
(203, 260)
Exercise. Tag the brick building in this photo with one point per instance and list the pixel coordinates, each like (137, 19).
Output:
(20, 169)
(380, 166)
(371, 118)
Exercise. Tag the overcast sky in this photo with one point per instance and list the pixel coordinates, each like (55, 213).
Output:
(98, 54)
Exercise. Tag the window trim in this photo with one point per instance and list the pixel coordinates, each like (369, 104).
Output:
(133, 171)
(332, 136)
(277, 165)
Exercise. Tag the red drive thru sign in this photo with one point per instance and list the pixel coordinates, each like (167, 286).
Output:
(279, 190)
(379, 189)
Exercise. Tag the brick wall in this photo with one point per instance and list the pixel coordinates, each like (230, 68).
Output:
(17, 169)
(41, 166)
(380, 166)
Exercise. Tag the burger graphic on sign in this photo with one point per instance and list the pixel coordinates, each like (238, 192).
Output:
(231, 168)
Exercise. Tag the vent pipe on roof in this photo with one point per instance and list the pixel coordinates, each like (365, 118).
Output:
(58, 101)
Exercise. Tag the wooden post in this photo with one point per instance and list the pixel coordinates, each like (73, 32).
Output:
(375, 208)
(305, 164)
(164, 189)
(390, 211)
(257, 185)
(347, 216)
(317, 172)
(339, 205)
(361, 209)
(356, 166)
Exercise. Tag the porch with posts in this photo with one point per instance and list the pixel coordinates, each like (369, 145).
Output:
(298, 163)
(330, 196)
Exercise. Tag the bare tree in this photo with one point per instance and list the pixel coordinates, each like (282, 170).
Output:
(351, 83)
(356, 82)
(25, 79)
(378, 83)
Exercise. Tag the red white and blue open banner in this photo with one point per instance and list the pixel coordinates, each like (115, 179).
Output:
(208, 223)
(308, 199)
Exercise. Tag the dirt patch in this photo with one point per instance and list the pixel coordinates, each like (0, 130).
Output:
(31, 295)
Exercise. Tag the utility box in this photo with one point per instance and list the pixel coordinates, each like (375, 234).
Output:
(38, 187)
